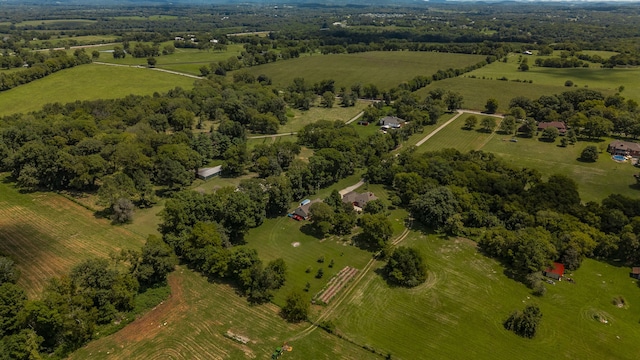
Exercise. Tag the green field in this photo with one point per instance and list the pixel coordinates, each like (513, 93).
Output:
(302, 118)
(458, 312)
(595, 180)
(88, 82)
(476, 91)
(191, 325)
(385, 69)
(183, 60)
(454, 136)
(46, 234)
(73, 23)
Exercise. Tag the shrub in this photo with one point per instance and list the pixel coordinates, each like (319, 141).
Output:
(568, 83)
(590, 153)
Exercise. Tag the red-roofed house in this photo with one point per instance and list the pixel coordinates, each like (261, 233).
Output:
(555, 272)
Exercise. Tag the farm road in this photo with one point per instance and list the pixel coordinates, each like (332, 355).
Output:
(355, 118)
(460, 112)
(352, 187)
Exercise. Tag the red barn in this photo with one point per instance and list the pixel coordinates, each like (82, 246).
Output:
(555, 272)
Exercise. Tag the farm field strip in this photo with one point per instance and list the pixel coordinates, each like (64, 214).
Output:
(336, 284)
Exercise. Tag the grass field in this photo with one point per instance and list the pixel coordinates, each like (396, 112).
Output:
(454, 136)
(595, 180)
(88, 82)
(385, 69)
(73, 23)
(458, 312)
(337, 112)
(476, 91)
(191, 325)
(46, 234)
(183, 60)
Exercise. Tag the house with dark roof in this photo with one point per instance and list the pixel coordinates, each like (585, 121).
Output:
(555, 272)
(619, 147)
(358, 199)
(392, 121)
(303, 209)
(562, 128)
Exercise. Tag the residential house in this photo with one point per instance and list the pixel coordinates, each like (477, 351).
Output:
(392, 121)
(303, 210)
(619, 147)
(358, 200)
(562, 128)
(635, 272)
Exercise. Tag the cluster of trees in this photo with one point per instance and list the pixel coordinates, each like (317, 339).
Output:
(96, 292)
(205, 230)
(562, 62)
(406, 267)
(39, 65)
(524, 323)
(526, 222)
(123, 147)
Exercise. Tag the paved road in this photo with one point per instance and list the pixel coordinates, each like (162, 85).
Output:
(352, 187)
(271, 136)
(355, 118)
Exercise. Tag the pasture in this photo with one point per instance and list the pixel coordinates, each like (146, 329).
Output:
(596, 78)
(302, 118)
(46, 234)
(193, 322)
(454, 136)
(384, 69)
(476, 91)
(458, 312)
(182, 60)
(88, 82)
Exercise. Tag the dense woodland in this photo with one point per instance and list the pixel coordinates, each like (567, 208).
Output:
(130, 151)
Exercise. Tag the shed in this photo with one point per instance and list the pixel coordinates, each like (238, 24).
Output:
(635, 272)
(208, 173)
(555, 272)
(393, 121)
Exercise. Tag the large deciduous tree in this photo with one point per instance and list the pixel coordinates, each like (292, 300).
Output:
(406, 267)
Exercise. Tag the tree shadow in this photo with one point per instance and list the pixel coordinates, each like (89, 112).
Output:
(309, 229)
(586, 161)
(383, 274)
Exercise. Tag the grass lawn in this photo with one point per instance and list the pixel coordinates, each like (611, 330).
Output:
(88, 82)
(595, 180)
(46, 234)
(454, 136)
(476, 91)
(192, 324)
(458, 312)
(385, 69)
(337, 112)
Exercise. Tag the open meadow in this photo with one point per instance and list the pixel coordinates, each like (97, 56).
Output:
(455, 136)
(596, 78)
(384, 69)
(458, 312)
(193, 322)
(46, 234)
(88, 82)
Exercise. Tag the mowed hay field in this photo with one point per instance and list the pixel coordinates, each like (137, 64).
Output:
(88, 82)
(192, 324)
(475, 92)
(46, 234)
(384, 69)
(458, 312)
(454, 136)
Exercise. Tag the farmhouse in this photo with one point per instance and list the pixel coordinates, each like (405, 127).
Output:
(303, 209)
(392, 121)
(358, 200)
(562, 128)
(555, 272)
(635, 272)
(625, 148)
(208, 173)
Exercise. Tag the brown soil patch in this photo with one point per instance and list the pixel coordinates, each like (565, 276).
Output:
(153, 322)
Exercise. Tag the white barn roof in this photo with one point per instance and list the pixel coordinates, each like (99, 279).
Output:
(206, 172)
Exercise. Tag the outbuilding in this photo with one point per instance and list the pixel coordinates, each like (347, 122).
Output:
(555, 272)
(208, 173)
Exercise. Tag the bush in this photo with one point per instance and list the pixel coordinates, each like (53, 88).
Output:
(568, 83)
(590, 153)
(296, 308)
(524, 323)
